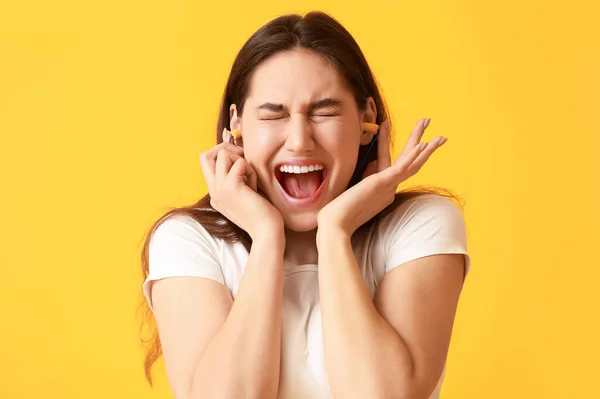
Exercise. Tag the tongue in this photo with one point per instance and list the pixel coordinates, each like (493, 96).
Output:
(301, 185)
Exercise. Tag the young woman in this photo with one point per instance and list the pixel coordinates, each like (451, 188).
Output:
(303, 274)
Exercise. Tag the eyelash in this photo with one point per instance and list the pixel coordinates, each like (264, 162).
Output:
(321, 115)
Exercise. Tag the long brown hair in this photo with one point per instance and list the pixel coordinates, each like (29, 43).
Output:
(318, 32)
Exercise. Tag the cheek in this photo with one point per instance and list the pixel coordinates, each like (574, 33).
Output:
(258, 136)
(339, 130)
(342, 145)
(259, 148)
(341, 142)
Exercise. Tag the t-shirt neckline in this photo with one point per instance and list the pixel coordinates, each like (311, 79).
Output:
(291, 267)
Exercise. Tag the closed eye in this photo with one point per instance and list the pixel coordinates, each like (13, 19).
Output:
(323, 115)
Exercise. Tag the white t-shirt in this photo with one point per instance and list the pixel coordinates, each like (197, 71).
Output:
(422, 226)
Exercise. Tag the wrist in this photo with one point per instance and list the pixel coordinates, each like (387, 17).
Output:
(331, 235)
(272, 235)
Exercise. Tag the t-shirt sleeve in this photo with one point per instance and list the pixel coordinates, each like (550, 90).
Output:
(180, 247)
(425, 225)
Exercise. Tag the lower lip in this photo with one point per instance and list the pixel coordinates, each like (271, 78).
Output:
(304, 201)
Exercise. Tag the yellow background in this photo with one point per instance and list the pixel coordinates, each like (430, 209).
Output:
(105, 106)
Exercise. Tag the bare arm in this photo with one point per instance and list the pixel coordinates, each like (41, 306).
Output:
(215, 347)
(397, 344)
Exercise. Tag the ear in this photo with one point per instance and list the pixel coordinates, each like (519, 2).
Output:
(234, 120)
(234, 125)
(369, 115)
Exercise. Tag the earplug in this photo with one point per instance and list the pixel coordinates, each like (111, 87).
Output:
(235, 135)
(370, 127)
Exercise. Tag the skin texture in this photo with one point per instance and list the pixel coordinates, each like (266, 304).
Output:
(331, 134)
(413, 312)
(230, 349)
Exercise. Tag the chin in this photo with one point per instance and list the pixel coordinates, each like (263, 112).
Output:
(301, 222)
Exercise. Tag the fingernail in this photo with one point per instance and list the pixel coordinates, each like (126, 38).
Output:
(426, 123)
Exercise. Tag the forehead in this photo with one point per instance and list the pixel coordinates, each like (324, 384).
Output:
(295, 78)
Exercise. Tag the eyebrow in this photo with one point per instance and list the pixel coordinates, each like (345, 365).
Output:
(324, 103)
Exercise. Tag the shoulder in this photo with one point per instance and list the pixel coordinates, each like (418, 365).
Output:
(180, 246)
(423, 212)
(180, 227)
(180, 241)
(424, 225)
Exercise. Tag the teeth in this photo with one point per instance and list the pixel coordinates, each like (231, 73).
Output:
(300, 169)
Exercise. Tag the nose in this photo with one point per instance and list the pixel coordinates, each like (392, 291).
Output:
(300, 135)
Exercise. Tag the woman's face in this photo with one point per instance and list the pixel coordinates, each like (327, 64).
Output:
(299, 115)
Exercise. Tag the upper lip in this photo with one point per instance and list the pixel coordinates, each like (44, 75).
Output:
(299, 162)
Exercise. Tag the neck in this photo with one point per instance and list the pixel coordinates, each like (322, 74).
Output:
(301, 246)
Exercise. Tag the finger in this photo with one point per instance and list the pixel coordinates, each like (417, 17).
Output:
(383, 147)
(251, 176)
(223, 165)
(405, 161)
(208, 169)
(232, 148)
(211, 154)
(224, 135)
(208, 161)
(243, 171)
(415, 137)
(229, 138)
(426, 154)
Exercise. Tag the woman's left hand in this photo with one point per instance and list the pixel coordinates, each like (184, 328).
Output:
(377, 189)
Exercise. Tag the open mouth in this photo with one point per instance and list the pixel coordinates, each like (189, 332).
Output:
(301, 182)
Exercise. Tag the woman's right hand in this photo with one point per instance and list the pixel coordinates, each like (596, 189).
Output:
(232, 185)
